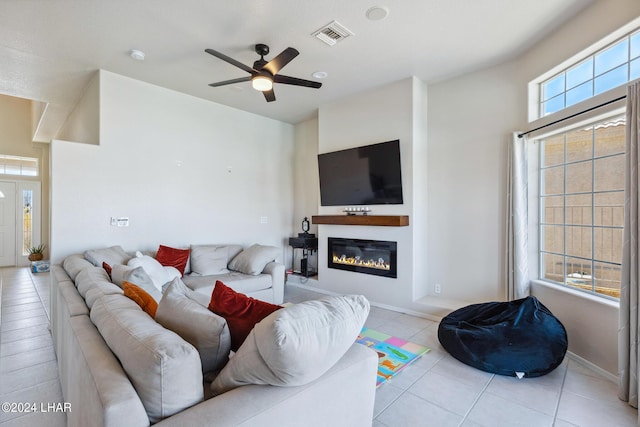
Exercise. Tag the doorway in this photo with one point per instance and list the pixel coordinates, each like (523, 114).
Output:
(20, 219)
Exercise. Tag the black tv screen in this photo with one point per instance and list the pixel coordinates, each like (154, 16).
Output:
(368, 175)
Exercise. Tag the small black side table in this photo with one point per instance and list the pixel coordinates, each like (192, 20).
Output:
(308, 243)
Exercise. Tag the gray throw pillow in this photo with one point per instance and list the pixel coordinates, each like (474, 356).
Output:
(207, 260)
(201, 328)
(253, 259)
(136, 275)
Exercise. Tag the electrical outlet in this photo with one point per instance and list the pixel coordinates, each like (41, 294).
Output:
(437, 288)
(264, 220)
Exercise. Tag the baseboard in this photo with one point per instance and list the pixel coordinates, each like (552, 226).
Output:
(598, 370)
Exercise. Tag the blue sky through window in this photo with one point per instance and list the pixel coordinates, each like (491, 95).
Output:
(616, 55)
(607, 69)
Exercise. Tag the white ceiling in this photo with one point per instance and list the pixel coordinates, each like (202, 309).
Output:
(49, 49)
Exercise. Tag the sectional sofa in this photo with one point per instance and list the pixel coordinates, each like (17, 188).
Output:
(121, 367)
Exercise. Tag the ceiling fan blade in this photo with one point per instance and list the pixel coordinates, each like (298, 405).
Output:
(296, 81)
(277, 63)
(230, 82)
(231, 61)
(269, 95)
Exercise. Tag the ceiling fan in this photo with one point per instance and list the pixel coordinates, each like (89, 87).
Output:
(264, 74)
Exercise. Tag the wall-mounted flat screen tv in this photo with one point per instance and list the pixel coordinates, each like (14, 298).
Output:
(369, 175)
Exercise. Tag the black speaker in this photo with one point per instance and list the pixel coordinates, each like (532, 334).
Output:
(303, 267)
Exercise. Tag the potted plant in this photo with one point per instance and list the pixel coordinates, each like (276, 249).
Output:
(36, 253)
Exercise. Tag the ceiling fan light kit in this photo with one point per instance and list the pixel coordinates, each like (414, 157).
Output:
(263, 73)
(262, 83)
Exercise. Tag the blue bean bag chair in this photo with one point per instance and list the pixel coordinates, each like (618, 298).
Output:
(517, 338)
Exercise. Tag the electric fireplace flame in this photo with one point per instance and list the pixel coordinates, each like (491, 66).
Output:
(375, 257)
(357, 261)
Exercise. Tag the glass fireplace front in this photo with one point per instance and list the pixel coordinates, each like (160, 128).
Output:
(377, 257)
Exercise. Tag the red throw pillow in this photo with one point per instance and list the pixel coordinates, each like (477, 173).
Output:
(240, 311)
(172, 257)
(107, 268)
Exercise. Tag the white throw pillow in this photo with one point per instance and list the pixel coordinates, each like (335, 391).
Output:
(295, 345)
(253, 259)
(159, 274)
(206, 331)
(207, 260)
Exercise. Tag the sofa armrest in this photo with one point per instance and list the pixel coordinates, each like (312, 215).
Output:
(276, 270)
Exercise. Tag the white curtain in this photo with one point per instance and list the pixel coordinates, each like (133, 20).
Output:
(628, 326)
(517, 220)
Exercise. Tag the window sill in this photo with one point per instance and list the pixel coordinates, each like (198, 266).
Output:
(578, 294)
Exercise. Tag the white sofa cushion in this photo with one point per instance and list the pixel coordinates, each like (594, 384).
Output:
(206, 331)
(164, 369)
(209, 260)
(295, 345)
(93, 282)
(253, 259)
(112, 256)
(239, 282)
(74, 264)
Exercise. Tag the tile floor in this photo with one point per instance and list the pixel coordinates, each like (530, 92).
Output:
(437, 390)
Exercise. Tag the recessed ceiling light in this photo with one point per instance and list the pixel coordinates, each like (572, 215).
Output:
(320, 75)
(136, 54)
(377, 13)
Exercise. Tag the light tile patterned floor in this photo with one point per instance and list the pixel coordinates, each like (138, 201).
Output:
(28, 368)
(437, 390)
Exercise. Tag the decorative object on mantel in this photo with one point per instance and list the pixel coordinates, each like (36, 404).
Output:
(36, 253)
(355, 211)
(376, 220)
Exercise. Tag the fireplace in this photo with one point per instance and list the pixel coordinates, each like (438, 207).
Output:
(375, 257)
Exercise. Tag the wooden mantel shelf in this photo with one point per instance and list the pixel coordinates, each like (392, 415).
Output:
(378, 220)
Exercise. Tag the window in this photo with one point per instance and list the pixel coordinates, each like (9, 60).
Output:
(606, 69)
(27, 221)
(22, 166)
(582, 207)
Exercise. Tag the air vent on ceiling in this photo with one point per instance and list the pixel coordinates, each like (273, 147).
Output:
(332, 33)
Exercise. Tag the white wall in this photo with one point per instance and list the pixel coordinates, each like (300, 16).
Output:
(379, 115)
(470, 121)
(16, 128)
(305, 182)
(184, 170)
(83, 124)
